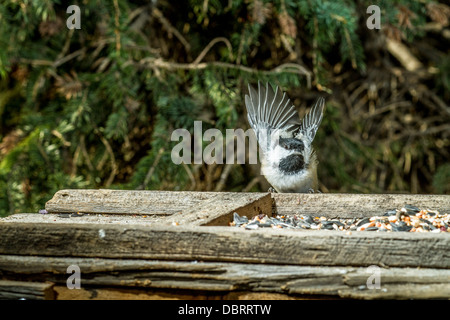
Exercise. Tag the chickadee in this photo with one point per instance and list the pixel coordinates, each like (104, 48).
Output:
(288, 161)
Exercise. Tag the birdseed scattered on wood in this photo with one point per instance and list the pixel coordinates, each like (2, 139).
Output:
(407, 219)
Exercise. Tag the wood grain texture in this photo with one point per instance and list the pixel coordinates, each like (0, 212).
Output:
(195, 208)
(26, 290)
(129, 202)
(113, 293)
(218, 211)
(128, 248)
(219, 278)
(354, 205)
(122, 201)
(126, 201)
(327, 248)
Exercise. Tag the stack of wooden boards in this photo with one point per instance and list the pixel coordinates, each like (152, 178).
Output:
(171, 245)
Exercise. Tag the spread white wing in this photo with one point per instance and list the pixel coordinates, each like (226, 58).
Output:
(311, 122)
(268, 111)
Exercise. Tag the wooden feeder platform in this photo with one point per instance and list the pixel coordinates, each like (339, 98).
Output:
(179, 245)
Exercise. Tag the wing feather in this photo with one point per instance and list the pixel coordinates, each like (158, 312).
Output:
(269, 110)
(311, 122)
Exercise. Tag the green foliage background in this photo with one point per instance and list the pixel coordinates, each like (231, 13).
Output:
(95, 107)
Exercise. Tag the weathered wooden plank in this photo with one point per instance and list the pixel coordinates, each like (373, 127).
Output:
(197, 208)
(399, 291)
(147, 294)
(394, 283)
(89, 218)
(128, 293)
(58, 265)
(124, 201)
(26, 290)
(328, 248)
(170, 202)
(214, 277)
(399, 276)
(218, 211)
(113, 248)
(353, 205)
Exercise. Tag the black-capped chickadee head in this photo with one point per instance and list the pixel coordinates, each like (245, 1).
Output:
(288, 160)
